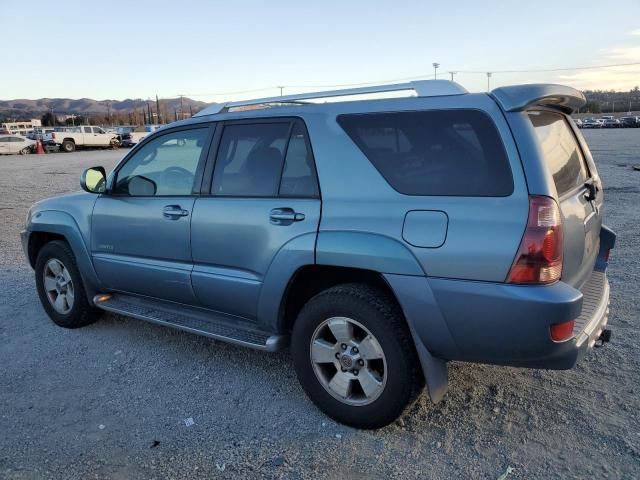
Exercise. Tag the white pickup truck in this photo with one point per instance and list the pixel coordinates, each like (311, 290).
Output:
(70, 138)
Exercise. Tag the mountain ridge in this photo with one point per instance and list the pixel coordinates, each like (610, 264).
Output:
(88, 106)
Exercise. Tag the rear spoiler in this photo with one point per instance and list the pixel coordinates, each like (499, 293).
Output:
(517, 98)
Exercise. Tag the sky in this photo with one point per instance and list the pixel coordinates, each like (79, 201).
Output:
(215, 51)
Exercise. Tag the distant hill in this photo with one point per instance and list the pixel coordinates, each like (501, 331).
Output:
(24, 109)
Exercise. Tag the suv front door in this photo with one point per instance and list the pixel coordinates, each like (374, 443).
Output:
(262, 193)
(140, 238)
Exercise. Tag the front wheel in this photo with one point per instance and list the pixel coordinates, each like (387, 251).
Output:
(60, 287)
(354, 356)
(25, 151)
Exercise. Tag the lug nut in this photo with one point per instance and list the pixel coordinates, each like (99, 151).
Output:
(355, 372)
(354, 349)
(344, 346)
(361, 362)
(337, 355)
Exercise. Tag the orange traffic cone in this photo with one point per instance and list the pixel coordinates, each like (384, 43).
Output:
(39, 148)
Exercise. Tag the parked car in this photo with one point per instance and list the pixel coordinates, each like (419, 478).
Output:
(40, 133)
(630, 121)
(578, 122)
(591, 123)
(611, 123)
(71, 138)
(379, 238)
(12, 144)
(136, 134)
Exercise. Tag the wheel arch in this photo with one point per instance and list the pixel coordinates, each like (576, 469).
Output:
(50, 225)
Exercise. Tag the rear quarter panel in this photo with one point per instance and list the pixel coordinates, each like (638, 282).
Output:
(483, 234)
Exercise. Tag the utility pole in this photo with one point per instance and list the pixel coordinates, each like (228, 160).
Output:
(435, 70)
(488, 81)
(452, 74)
(281, 89)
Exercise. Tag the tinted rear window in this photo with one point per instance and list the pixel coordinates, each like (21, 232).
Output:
(560, 150)
(439, 152)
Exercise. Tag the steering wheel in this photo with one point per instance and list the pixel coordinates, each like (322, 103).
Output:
(178, 179)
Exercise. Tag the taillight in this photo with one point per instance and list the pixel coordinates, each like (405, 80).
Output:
(539, 258)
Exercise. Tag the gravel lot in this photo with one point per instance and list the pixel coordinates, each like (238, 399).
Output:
(110, 400)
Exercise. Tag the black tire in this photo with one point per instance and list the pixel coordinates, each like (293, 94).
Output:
(68, 146)
(25, 151)
(379, 314)
(81, 312)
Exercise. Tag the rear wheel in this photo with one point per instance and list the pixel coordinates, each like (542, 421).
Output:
(60, 287)
(354, 356)
(68, 146)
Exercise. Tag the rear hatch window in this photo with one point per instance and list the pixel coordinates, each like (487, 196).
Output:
(560, 151)
(434, 152)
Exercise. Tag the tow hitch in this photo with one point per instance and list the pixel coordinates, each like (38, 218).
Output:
(604, 337)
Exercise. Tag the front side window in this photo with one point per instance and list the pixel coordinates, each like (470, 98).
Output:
(434, 152)
(164, 166)
(250, 159)
(87, 129)
(97, 130)
(560, 150)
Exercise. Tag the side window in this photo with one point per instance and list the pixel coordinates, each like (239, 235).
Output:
(434, 152)
(87, 129)
(299, 174)
(249, 160)
(97, 130)
(165, 166)
(5, 139)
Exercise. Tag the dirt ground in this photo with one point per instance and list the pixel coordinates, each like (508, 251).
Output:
(114, 400)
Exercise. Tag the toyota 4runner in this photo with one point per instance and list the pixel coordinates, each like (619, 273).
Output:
(379, 237)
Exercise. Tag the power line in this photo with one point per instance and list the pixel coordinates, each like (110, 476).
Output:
(413, 77)
(561, 69)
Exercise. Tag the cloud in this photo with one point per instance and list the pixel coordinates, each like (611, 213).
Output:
(610, 78)
(635, 33)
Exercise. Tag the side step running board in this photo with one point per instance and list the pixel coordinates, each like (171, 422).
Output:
(191, 320)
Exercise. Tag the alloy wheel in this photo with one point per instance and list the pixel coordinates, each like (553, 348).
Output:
(348, 361)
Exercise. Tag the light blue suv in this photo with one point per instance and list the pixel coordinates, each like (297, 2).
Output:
(380, 238)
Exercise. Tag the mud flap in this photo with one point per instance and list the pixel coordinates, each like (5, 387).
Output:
(435, 370)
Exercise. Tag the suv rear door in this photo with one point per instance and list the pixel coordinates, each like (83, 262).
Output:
(579, 195)
(261, 192)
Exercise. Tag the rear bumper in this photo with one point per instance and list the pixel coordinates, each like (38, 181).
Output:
(503, 324)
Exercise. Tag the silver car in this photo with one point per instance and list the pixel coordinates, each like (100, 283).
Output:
(11, 144)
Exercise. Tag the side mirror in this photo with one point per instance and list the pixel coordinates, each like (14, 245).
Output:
(94, 180)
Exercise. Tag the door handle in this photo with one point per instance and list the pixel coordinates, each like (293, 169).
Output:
(285, 216)
(173, 211)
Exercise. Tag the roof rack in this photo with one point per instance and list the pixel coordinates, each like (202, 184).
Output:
(422, 88)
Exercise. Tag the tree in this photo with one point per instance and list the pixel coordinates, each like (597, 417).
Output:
(49, 120)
